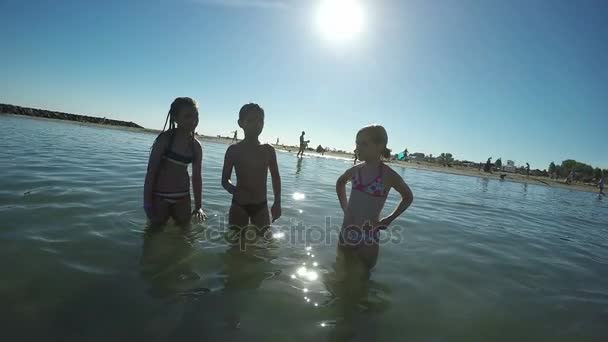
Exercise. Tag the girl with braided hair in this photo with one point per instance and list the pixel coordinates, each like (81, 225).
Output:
(167, 184)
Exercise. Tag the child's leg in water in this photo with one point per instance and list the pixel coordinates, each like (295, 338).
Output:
(369, 255)
(238, 220)
(350, 264)
(261, 219)
(237, 217)
(160, 214)
(181, 212)
(365, 253)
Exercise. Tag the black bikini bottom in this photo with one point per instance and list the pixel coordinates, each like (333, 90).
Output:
(252, 209)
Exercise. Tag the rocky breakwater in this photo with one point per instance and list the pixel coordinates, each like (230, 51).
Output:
(49, 114)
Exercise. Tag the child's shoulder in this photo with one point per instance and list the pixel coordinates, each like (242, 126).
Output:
(351, 170)
(198, 146)
(387, 168)
(163, 135)
(163, 138)
(233, 148)
(269, 151)
(268, 147)
(241, 146)
(391, 172)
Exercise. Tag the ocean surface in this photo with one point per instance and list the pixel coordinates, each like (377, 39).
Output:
(473, 259)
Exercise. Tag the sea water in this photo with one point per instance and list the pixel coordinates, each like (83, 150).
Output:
(473, 259)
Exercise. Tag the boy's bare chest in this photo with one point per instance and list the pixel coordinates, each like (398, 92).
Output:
(251, 159)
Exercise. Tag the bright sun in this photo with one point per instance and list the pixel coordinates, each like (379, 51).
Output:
(340, 19)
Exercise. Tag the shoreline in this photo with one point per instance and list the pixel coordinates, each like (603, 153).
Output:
(424, 166)
(510, 177)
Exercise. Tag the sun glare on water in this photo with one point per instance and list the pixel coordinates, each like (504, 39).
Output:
(340, 20)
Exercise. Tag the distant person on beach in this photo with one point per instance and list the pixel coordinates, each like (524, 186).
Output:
(277, 142)
(235, 137)
(527, 170)
(321, 149)
(167, 184)
(371, 182)
(570, 177)
(488, 166)
(600, 185)
(251, 161)
(303, 145)
(356, 157)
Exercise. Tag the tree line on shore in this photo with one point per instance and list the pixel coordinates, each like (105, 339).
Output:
(582, 172)
(568, 168)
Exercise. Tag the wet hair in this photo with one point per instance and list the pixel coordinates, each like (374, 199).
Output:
(378, 136)
(249, 109)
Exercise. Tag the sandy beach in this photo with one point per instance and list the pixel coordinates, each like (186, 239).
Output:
(457, 170)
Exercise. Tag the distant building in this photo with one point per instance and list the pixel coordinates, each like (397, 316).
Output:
(509, 167)
(417, 156)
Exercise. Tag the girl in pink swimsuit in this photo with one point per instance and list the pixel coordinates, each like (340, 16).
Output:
(371, 182)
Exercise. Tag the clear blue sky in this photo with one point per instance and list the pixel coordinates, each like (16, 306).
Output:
(525, 80)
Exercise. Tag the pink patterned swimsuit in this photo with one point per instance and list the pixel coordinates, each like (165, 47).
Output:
(354, 235)
(374, 188)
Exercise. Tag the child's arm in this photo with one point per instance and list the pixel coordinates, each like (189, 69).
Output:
(276, 184)
(197, 180)
(395, 181)
(227, 171)
(341, 188)
(153, 165)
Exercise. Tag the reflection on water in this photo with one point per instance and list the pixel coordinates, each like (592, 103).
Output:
(354, 300)
(298, 196)
(247, 269)
(244, 271)
(306, 273)
(484, 184)
(204, 303)
(166, 260)
(299, 166)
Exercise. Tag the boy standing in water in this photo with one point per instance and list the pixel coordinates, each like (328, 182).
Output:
(251, 161)
(600, 185)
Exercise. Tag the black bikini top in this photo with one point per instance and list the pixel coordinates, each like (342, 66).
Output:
(176, 157)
